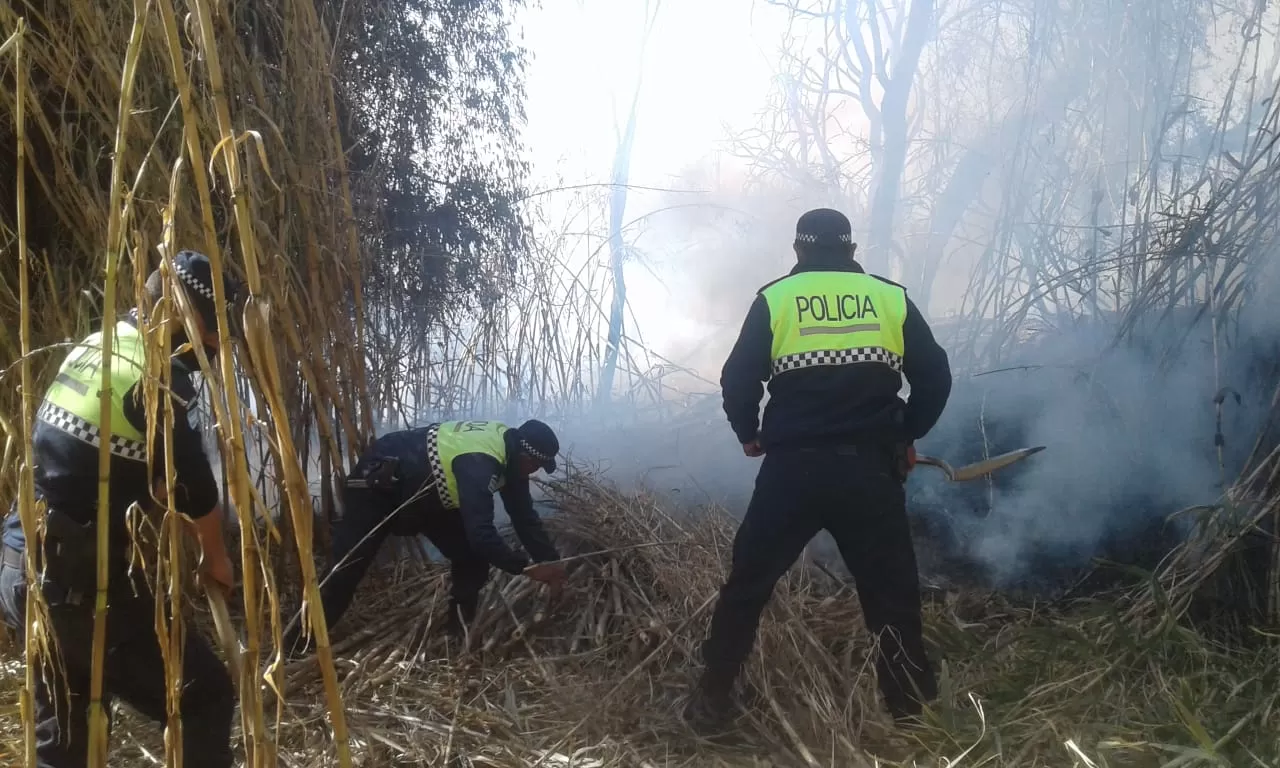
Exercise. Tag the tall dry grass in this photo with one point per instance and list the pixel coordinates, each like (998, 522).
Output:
(205, 154)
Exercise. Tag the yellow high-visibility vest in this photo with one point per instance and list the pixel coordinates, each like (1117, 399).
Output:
(835, 318)
(450, 439)
(71, 403)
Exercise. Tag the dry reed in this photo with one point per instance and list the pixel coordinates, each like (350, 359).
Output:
(601, 674)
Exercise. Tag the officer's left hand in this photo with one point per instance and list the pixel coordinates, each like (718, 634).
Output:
(753, 449)
(911, 456)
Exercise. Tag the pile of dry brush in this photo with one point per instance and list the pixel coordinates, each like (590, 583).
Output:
(600, 676)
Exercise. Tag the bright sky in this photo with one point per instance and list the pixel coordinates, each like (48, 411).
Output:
(708, 64)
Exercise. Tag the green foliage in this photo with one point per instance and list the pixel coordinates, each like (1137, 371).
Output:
(433, 99)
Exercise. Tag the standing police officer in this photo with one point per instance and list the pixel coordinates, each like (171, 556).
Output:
(833, 342)
(439, 481)
(65, 443)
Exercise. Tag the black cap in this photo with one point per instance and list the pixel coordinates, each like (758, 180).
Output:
(824, 227)
(195, 272)
(539, 441)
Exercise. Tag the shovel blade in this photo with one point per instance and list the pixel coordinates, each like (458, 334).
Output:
(987, 466)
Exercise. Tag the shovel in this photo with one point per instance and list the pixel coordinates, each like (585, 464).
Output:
(978, 468)
(232, 648)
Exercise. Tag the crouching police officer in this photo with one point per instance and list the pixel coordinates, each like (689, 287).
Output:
(438, 481)
(833, 342)
(65, 444)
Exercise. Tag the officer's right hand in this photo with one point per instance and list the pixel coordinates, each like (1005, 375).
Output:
(552, 574)
(753, 449)
(220, 571)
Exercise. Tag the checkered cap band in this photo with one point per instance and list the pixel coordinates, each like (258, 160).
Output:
(838, 357)
(437, 467)
(66, 421)
(807, 238)
(535, 453)
(192, 282)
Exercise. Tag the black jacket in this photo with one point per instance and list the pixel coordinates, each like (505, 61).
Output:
(476, 474)
(831, 404)
(66, 469)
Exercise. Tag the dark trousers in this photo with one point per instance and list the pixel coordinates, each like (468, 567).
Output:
(133, 671)
(366, 523)
(855, 494)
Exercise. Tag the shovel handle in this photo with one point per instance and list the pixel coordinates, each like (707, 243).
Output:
(931, 461)
(227, 637)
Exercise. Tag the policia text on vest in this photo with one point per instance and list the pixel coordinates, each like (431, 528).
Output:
(848, 306)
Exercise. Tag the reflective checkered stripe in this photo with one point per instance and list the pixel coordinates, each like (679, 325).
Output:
(190, 281)
(807, 238)
(837, 357)
(437, 468)
(61, 419)
(534, 452)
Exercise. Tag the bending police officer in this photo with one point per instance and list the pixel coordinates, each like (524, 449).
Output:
(438, 481)
(834, 343)
(65, 444)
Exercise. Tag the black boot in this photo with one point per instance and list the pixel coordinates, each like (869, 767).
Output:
(710, 708)
(907, 714)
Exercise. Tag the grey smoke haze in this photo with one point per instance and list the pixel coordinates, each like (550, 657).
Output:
(1130, 437)
(1130, 441)
(1129, 430)
(1129, 427)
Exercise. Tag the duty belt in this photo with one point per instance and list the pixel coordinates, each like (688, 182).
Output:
(17, 560)
(75, 546)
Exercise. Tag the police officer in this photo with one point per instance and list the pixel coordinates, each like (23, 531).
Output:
(439, 481)
(833, 342)
(66, 438)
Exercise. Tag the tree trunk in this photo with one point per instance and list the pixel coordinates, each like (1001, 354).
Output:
(893, 121)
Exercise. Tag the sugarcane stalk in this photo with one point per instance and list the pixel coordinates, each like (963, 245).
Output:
(97, 741)
(26, 477)
(230, 428)
(256, 326)
(169, 635)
